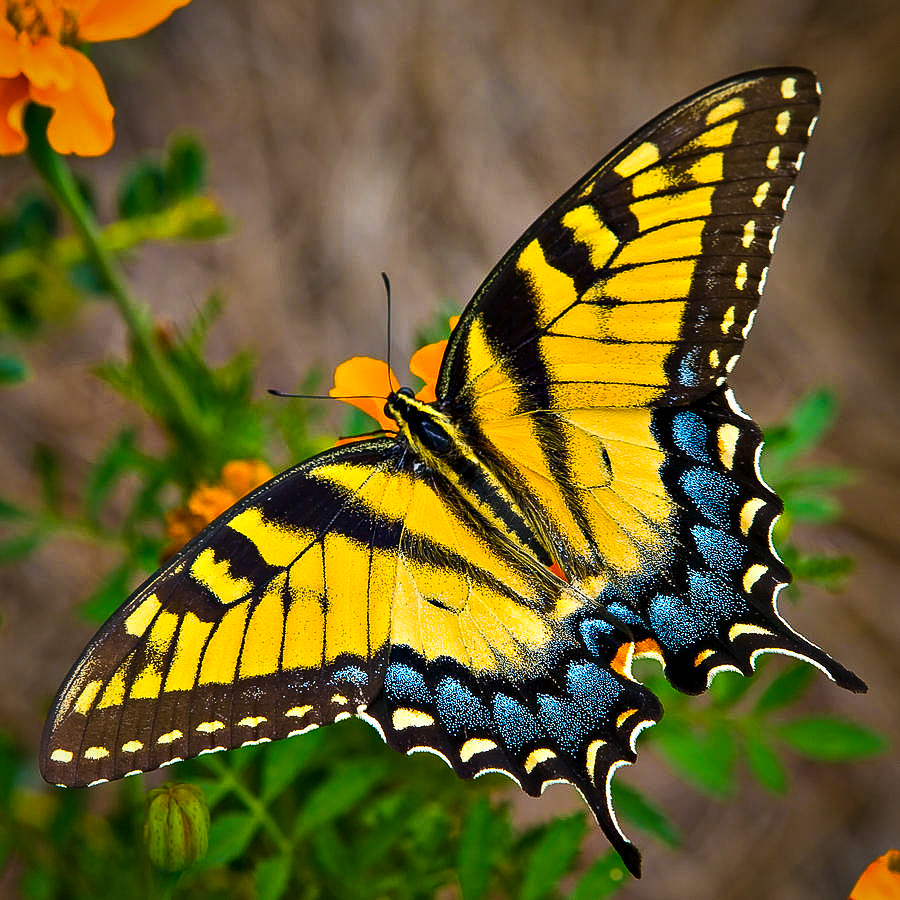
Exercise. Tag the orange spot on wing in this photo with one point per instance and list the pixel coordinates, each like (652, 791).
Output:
(649, 647)
(619, 662)
(558, 572)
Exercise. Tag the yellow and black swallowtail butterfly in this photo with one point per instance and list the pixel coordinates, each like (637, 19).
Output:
(583, 422)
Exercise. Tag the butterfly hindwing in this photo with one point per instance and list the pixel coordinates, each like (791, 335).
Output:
(713, 605)
(485, 672)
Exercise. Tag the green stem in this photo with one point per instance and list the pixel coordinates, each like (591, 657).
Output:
(59, 178)
(251, 801)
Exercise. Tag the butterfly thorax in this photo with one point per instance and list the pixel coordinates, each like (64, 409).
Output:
(441, 446)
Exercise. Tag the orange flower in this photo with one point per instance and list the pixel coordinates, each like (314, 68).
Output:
(365, 382)
(208, 501)
(39, 61)
(881, 879)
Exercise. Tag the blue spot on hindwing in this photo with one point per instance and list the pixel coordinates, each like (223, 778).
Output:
(572, 720)
(720, 551)
(689, 432)
(404, 684)
(689, 368)
(711, 492)
(711, 604)
(714, 597)
(460, 710)
(591, 685)
(352, 674)
(557, 717)
(675, 623)
(517, 726)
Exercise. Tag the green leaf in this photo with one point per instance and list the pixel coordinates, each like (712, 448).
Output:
(142, 191)
(552, 857)
(603, 879)
(476, 861)
(119, 457)
(812, 507)
(36, 223)
(343, 790)
(19, 547)
(185, 167)
(787, 686)
(824, 570)
(330, 852)
(87, 278)
(271, 877)
(632, 805)
(817, 477)
(830, 738)
(764, 763)
(806, 426)
(705, 759)
(284, 760)
(12, 370)
(229, 836)
(727, 688)
(109, 594)
(10, 510)
(214, 789)
(49, 473)
(438, 329)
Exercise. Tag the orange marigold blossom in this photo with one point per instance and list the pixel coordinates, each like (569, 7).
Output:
(40, 61)
(880, 880)
(365, 382)
(208, 501)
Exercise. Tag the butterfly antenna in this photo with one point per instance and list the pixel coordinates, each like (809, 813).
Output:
(387, 290)
(276, 393)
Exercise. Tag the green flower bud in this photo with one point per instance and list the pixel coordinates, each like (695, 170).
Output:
(176, 826)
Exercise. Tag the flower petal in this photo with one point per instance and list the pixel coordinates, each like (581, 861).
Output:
(10, 63)
(111, 20)
(13, 96)
(241, 476)
(364, 382)
(881, 879)
(426, 363)
(82, 122)
(46, 63)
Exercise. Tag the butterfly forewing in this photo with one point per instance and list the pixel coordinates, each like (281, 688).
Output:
(637, 287)
(274, 619)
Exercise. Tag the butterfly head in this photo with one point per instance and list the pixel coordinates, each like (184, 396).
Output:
(425, 428)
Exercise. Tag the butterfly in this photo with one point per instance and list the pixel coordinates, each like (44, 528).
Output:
(583, 491)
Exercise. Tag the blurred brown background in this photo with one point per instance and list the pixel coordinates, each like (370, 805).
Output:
(347, 138)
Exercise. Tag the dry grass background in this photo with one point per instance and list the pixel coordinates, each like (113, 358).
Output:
(421, 138)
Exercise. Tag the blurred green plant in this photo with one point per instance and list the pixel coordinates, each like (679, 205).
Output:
(334, 813)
